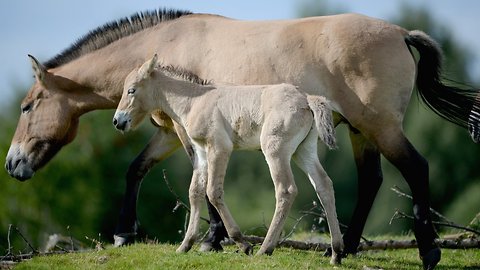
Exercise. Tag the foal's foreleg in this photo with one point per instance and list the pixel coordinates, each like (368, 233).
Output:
(196, 196)
(369, 171)
(216, 231)
(217, 166)
(161, 145)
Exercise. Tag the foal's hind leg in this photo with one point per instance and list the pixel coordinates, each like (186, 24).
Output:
(285, 191)
(161, 145)
(414, 168)
(367, 159)
(306, 158)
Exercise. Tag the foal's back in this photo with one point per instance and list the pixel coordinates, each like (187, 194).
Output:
(243, 113)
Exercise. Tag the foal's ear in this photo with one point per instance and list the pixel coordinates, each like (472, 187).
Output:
(38, 69)
(147, 68)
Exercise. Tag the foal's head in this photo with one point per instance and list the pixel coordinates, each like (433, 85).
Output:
(137, 97)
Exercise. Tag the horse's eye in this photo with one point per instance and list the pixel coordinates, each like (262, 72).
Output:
(26, 108)
(131, 91)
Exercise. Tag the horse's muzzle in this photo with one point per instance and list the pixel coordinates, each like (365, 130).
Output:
(17, 164)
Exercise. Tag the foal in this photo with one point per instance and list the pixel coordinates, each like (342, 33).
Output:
(214, 120)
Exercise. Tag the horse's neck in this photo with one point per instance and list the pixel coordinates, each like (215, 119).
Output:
(102, 73)
(176, 97)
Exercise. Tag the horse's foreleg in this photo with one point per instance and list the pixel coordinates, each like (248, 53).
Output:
(369, 171)
(161, 145)
(217, 231)
(414, 168)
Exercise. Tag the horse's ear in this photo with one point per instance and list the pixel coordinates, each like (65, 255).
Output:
(38, 69)
(147, 68)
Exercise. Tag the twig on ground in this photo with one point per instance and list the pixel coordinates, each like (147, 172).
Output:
(98, 243)
(71, 238)
(447, 223)
(26, 241)
(179, 203)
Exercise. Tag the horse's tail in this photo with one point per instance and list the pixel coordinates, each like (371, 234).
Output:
(452, 103)
(322, 114)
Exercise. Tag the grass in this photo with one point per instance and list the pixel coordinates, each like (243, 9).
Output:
(163, 256)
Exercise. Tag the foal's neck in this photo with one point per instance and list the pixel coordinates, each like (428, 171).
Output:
(175, 97)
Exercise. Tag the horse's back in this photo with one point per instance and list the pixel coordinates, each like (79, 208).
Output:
(355, 61)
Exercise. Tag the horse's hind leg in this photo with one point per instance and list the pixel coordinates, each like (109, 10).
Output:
(306, 158)
(161, 145)
(414, 168)
(369, 171)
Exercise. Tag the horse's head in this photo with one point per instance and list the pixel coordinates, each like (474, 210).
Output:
(136, 100)
(47, 122)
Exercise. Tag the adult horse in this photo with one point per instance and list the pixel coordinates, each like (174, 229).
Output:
(364, 65)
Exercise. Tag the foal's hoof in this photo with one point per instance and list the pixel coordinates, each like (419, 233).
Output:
(336, 259)
(209, 246)
(183, 249)
(431, 259)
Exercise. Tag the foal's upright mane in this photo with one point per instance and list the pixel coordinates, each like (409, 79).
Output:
(113, 31)
(182, 74)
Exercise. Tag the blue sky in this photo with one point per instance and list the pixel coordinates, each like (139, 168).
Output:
(44, 28)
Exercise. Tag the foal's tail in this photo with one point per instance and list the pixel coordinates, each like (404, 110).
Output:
(322, 114)
(452, 103)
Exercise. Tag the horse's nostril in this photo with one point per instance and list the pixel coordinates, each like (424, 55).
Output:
(115, 122)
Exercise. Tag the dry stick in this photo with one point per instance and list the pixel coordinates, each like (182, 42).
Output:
(26, 241)
(399, 214)
(447, 222)
(322, 215)
(374, 245)
(71, 238)
(180, 203)
(8, 239)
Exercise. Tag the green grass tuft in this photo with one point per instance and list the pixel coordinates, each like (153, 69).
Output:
(163, 256)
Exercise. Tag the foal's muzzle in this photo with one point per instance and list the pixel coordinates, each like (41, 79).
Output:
(122, 121)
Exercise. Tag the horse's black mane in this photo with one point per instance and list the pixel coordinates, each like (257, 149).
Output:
(182, 74)
(113, 31)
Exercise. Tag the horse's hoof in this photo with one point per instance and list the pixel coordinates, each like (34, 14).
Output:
(431, 259)
(120, 240)
(328, 252)
(247, 248)
(208, 246)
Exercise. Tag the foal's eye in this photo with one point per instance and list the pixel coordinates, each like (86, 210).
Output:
(26, 108)
(131, 91)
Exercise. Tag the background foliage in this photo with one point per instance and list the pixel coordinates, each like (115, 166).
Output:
(82, 187)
